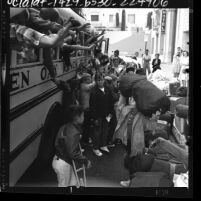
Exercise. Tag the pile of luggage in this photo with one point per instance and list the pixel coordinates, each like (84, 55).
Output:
(165, 154)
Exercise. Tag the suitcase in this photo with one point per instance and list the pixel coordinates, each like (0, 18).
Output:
(162, 129)
(173, 88)
(175, 101)
(151, 179)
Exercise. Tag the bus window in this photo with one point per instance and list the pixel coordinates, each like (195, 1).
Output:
(60, 54)
(54, 53)
(27, 56)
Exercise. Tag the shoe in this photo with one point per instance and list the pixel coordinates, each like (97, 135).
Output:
(111, 144)
(118, 142)
(90, 140)
(125, 183)
(105, 149)
(82, 150)
(97, 152)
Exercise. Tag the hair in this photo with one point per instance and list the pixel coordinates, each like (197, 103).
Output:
(104, 59)
(147, 50)
(157, 54)
(73, 111)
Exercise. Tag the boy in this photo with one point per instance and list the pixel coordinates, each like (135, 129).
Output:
(85, 90)
(100, 102)
(67, 148)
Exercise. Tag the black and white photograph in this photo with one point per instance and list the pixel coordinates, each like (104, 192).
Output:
(97, 97)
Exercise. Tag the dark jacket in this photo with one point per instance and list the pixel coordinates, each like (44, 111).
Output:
(38, 23)
(100, 103)
(156, 66)
(67, 144)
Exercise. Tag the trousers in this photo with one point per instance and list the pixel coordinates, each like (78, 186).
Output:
(65, 173)
(161, 146)
(100, 134)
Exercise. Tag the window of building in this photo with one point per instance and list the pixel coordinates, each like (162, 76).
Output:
(131, 18)
(94, 18)
(111, 18)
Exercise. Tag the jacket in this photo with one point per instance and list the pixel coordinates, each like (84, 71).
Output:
(67, 144)
(38, 23)
(85, 90)
(156, 65)
(100, 103)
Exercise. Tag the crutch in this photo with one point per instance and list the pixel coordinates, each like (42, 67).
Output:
(80, 180)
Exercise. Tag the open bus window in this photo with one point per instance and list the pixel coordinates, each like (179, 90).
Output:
(54, 53)
(27, 55)
(60, 54)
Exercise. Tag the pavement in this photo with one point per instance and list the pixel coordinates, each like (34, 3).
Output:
(106, 171)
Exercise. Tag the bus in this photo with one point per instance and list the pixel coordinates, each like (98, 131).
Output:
(36, 105)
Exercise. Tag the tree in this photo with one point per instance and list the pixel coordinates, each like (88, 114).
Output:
(117, 19)
(123, 24)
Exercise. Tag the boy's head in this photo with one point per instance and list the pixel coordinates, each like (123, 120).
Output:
(99, 79)
(116, 53)
(115, 61)
(104, 60)
(100, 69)
(157, 56)
(146, 52)
(136, 54)
(86, 78)
(76, 114)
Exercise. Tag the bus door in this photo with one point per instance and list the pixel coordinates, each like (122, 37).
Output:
(105, 45)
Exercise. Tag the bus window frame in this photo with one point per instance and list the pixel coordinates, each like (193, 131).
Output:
(14, 59)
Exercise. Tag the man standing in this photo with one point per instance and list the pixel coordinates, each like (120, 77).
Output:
(146, 61)
(116, 57)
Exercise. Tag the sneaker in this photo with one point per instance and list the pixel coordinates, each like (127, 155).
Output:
(111, 144)
(97, 152)
(90, 140)
(82, 150)
(105, 149)
(118, 142)
(125, 183)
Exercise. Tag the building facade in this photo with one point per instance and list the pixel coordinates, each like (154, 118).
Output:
(111, 18)
(170, 29)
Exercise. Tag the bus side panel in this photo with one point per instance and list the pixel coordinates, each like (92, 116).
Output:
(24, 125)
(35, 90)
(23, 161)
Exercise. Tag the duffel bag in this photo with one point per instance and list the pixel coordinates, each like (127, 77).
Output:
(182, 111)
(181, 91)
(149, 98)
(151, 179)
(127, 81)
(173, 88)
